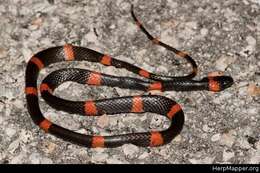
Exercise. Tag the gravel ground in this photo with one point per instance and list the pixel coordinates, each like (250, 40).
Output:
(220, 35)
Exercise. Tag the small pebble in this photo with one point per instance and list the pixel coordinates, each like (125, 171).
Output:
(103, 121)
(13, 146)
(243, 143)
(255, 157)
(206, 128)
(10, 131)
(251, 42)
(215, 137)
(25, 136)
(223, 62)
(114, 161)
(36, 158)
(192, 24)
(228, 139)
(178, 138)
(156, 122)
(18, 159)
(91, 37)
(143, 155)
(204, 32)
(37, 23)
(206, 160)
(19, 104)
(130, 150)
(253, 90)
(49, 147)
(99, 157)
(228, 155)
(3, 52)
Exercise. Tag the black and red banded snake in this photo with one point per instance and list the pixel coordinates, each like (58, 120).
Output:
(135, 104)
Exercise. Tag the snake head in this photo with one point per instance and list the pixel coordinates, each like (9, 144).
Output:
(218, 83)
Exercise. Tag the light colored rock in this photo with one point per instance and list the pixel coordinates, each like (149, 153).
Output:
(228, 139)
(64, 120)
(19, 158)
(19, 104)
(253, 110)
(143, 155)
(10, 131)
(255, 158)
(164, 152)
(206, 160)
(27, 53)
(63, 86)
(49, 147)
(123, 5)
(130, 150)
(215, 137)
(7, 92)
(157, 121)
(230, 15)
(3, 52)
(192, 24)
(178, 138)
(162, 69)
(142, 118)
(1, 120)
(204, 32)
(245, 2)
(224, 61)
(25, 136)
(251, 42)
(253, 90)
(13, 146)
(114, 161)
(91, 37)
(99, 150)
(46, 160)
(167, 38)
(255, 154)
(243, 91)
(2, 105)
(206, 128)
(99, 157)
(172, 4)
(8, 110)
(36, 158)
(228, 155)
(47, 42)
(113, 26)
(36, 23)
(2, 8)
(189, 30)
(113, 121)
(103, 121)
(243, 143)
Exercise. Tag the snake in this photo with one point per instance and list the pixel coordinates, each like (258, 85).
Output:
(148, 81)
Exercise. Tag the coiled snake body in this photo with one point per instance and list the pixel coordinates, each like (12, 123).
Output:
(137, 104)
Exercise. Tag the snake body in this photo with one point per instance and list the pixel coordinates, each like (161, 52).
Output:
(135, 104)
